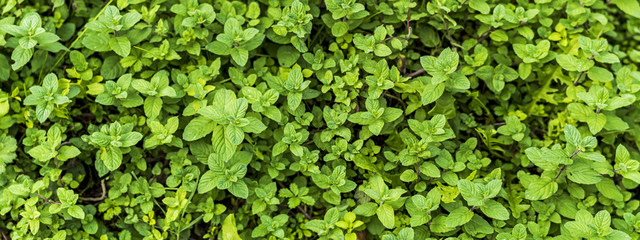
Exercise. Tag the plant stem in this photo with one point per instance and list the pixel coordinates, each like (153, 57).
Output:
(575, 83)
(473, 208)
(183, 210)
(446, 26)
(79, 36)
(47, 200)
(147, 51)
(57, 165)
(561, 170)
(62, 144)
(575, 153)
(304, 212)
(413, 74)
(408, 27)
(565, 166)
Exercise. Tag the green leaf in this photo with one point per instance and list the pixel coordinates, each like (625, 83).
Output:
(495, 210)
(198, 128)
(480, 5)
(43, 111)
(111, 157)
(208, 182)
(234, 134)
(120, 45)
(386, 215)
(67, 152)
(458, 217)
(470, 192)
(42, 153)
(339, 29)
(573, 135)
(581, 172)
(541, 189)
(229, 229)
(239, 189)
(596, 122)
(20, 56)
(98, 42)
(240, 56)
(459, 81)
(152, 107)
(76, 212)
(382, 50)
(599, 74)
(366, 209)
(630, 7)
(131, 138)
(254, 126)
(431, 93)
(609, 189)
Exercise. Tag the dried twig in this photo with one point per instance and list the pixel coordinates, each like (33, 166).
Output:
(4, 236)
(102, 197)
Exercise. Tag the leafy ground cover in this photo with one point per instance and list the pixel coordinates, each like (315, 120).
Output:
(319, 119)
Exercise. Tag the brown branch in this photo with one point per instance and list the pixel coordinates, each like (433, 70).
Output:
(62, 144)
(484, 35)
(413, 74)
(404, 65)
(304, 212)
(4, 236)
(298, 207)
(561, 170)
(408, 27)
(58, 165)
(575, 83)
(102, 197)
(389, 38)
(47, 200)
(565, 166)
(574, 154)
(446, 26)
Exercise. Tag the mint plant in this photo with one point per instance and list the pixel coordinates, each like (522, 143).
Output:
(112, 141)
(46, 97)
(28, 35)
(333, 119)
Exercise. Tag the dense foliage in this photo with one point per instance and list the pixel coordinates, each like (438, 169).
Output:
(319, 119)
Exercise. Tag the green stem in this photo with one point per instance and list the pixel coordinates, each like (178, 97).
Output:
(147, 51)
(42, 68)
(79, 36)
(183, 210)
(194, 221)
